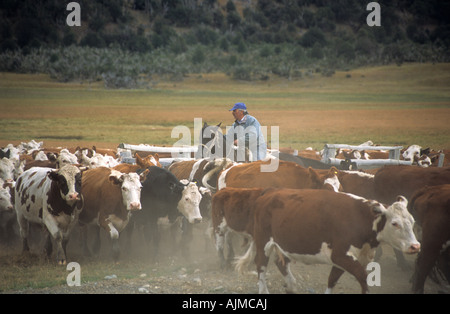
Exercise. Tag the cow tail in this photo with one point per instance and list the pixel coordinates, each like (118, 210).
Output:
(244, 261)
(270, 247)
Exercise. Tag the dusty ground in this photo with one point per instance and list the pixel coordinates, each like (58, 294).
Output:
(200, 274)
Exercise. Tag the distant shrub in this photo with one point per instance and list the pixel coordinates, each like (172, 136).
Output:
(313, 36)
(198, 56)
(242, 73)
(93, 40)
(265, 52)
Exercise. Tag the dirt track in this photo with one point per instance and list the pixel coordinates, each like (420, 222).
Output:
(200, 274)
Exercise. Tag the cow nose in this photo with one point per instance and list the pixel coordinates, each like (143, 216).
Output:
(414, 248)
(197, 220)
(135, 206)
(73, 196)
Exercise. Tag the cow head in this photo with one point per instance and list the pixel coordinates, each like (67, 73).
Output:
(413, 153)
(189, 204)
(68, 181)
(148, 161)
(130, 185)
(5, 199)
(65, 158)
(398, 228)
(328, 180)
(6, 169)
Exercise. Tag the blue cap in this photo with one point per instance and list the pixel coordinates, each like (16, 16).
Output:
(239, 105)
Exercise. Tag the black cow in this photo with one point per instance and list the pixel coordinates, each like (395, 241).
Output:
(164, 195)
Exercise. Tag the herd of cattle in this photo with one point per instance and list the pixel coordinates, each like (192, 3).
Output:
(301, 213)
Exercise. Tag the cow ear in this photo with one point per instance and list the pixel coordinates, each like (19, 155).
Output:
(115, 177)
(314, 176)
(53, 175)
(143, 175)
(172, 186)
(333, 171)
(377, 208)
(402, 199)
(139, 160)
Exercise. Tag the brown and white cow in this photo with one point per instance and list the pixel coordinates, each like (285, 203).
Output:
(358, 182)
(232, 208)
(51, 198)
(109, 198)
(141, 163)
(391, 181)
(288, 175)
(431, 208)
(319, 226)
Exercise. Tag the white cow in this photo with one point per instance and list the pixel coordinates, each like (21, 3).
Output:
(6, 169)
(5, 199)
(50, 197)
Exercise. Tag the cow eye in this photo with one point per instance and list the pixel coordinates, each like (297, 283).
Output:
(396, 225)
(124, 188)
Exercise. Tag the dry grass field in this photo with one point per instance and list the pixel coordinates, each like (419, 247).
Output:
(389, 105)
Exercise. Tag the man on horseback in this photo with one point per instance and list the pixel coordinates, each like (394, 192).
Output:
(246, 132)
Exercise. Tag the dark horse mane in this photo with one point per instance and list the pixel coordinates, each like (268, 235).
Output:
(210, 145)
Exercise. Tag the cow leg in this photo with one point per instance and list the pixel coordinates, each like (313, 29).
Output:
(220, 239)
(151, 233)
(129, 234)
(24, 230)
(83, 239)
(56, 234)
(64, 242)
(352, 266)
(48, 247)
(187, 234)
(96, 240)
(174, 229)
(220, 234)
(333, 278)
(261, 261)
(230, 250)
(284, 266)
(114, 234)
(425, 261)
(156, 240)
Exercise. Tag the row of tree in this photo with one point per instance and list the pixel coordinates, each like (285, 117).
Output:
(236, 36)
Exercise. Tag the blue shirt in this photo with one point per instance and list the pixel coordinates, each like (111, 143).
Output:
(248, 130)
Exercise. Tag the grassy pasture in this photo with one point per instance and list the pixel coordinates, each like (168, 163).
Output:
(389, 105)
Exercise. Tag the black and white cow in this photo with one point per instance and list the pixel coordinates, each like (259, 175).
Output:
(164, 195)
(51, 198)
